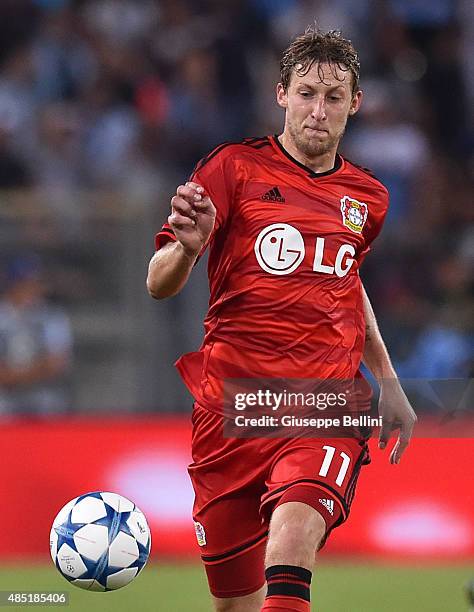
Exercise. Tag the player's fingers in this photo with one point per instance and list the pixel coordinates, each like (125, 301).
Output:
(182, 206)
(403, 441)
(398, 451)
(195, 186)
(189, 193)
(205, 205)
(394, 452)
(178, 221)
(385, 432)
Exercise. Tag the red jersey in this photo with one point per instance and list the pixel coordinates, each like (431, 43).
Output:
(284, 258)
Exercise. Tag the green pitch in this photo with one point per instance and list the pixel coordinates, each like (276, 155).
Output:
(337, 588)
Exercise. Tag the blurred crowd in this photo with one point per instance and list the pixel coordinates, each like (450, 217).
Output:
(125, 96)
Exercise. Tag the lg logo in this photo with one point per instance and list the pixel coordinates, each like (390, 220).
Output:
(280, 249)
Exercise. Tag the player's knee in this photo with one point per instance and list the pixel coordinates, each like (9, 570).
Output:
(225, 605)
(296, 531)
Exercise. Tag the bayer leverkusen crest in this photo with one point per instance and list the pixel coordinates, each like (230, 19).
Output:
(200, 533)
(354, 213)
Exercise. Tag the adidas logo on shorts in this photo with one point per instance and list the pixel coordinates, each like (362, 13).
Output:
(328, 504)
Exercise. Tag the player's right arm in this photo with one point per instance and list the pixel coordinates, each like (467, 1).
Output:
(192, 220)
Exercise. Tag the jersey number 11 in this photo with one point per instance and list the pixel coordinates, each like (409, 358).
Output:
(330, 450)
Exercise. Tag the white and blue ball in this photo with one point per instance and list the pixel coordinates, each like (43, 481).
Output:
(100, 541)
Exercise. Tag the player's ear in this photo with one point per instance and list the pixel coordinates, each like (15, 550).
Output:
(356, 102)
(281, 96)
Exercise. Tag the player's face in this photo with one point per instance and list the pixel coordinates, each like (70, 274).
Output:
(318, 105)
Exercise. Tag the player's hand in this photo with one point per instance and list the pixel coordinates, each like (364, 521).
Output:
(192, 217)
(396, 413)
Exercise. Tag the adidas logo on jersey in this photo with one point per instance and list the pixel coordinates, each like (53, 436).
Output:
(273, 195)
(328, 504)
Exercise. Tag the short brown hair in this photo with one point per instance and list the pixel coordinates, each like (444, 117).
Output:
(318, 46)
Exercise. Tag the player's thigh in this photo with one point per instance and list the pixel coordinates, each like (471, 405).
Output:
(321, 473)
(233, 558)
(228, 479)
(296, 531)
(248, 603)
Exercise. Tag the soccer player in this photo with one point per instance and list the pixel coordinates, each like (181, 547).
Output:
(287, 221)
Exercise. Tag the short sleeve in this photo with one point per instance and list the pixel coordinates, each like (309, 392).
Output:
(377, 214)
(164, 236)
(215, 173)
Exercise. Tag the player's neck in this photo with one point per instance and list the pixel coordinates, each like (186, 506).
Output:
(318, 164)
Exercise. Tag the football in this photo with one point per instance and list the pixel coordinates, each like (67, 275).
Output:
(100, 541)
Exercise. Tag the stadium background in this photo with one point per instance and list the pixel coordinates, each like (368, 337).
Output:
(105, 106)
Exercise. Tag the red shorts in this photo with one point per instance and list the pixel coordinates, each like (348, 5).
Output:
(237, 483)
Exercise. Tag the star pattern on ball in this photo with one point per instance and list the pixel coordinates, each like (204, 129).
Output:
(102, 553)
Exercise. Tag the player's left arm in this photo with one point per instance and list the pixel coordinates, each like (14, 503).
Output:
(394, 407)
